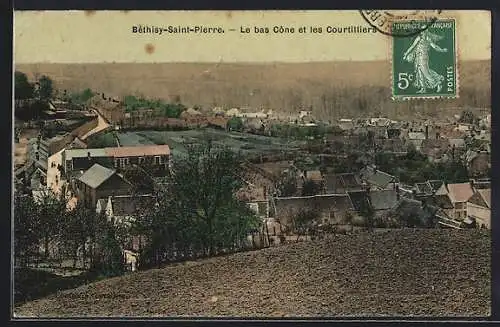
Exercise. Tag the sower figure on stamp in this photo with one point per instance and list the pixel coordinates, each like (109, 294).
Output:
(418, 53)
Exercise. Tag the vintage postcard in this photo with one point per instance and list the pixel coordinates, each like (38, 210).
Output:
(252, 164)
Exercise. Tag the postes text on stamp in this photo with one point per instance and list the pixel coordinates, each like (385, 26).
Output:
(424, 65)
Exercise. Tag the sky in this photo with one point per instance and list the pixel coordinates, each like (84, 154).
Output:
(106, 36)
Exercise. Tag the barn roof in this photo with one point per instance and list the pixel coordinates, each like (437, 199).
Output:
(96, 175)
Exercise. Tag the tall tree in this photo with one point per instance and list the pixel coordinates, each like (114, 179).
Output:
(52, 212)
(197, 213)
(235, 124)
(304, 221)
(468, 117)
(368, 213)
(108, 259)
(205, 181)
(26, 229)
(23, 89)
(46, 88)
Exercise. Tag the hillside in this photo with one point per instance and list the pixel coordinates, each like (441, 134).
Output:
(402, 272)
(332, 89)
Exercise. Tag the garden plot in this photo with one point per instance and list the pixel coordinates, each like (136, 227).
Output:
(179, 140)
(133, 139)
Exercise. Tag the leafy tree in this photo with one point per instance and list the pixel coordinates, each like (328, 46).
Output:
(235, 124)
(80, 229)
(198, 213)
(287, 185)
(23, 89)
(52, 212)
(26, 229)
(46, 88)
(368, 213)
(208, 178)
(468, 117)
(81, 97)
(170, 110)
(108, 259)
(348, 219)
(304, 221)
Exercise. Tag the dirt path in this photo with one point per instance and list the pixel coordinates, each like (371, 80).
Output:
(101, 125)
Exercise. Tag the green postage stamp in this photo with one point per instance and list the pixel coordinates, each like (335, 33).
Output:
(424, 63)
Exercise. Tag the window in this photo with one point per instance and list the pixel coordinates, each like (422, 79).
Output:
(122, 162)
(141, 160)
(157, 160)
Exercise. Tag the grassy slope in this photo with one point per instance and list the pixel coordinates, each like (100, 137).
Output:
(403, 272)
(280, 86)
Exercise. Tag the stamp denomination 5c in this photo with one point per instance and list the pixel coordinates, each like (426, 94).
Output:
(424, 65)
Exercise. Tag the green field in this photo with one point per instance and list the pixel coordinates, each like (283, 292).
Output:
(178, 140)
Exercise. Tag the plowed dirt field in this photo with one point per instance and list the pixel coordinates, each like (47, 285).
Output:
(396, 273)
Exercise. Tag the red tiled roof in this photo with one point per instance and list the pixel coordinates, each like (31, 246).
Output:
(137, 151)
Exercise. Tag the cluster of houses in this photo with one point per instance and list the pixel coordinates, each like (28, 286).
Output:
(439, 142)
(62, 126)
(344, 197)
(96, 177)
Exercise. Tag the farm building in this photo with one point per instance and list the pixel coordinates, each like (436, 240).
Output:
(118, 157)
(332, 208)
(100, 182)
(452, 198)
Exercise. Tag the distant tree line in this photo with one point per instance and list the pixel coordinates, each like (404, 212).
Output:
(161, 108)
